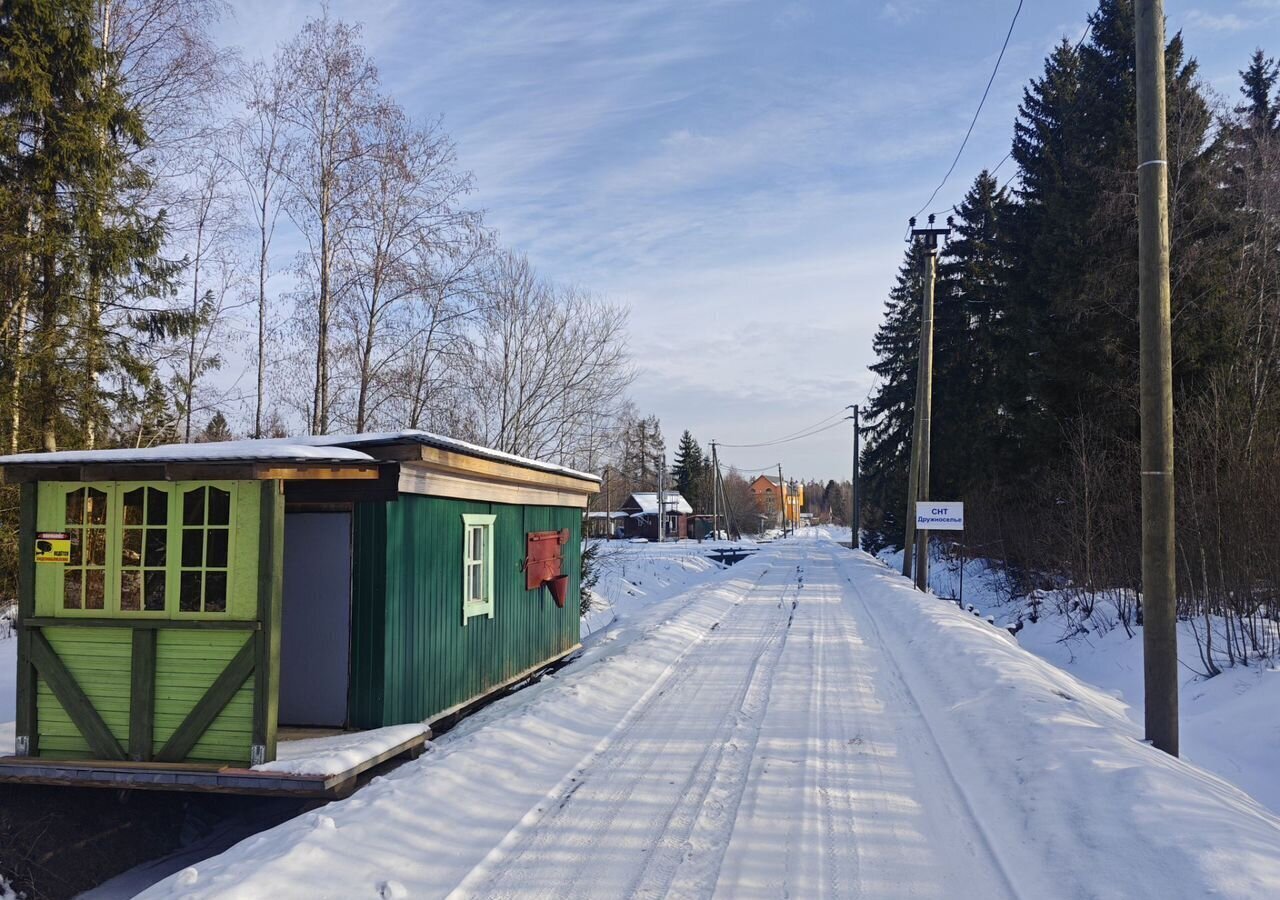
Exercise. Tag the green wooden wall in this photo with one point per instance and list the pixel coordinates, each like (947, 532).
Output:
(412, 656)
(190, 650)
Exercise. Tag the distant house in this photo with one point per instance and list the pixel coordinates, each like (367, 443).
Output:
(641, 511)
(770, 497)
(605, 524)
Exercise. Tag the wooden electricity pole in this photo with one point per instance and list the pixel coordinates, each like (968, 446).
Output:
(715, 494)
(782, 499)
(1159, 585)
(918, 476)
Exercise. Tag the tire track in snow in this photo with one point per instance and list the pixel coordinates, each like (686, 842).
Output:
(904, 694)
(795, 836)
(621, 774)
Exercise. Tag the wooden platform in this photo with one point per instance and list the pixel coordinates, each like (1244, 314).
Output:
(154, 776)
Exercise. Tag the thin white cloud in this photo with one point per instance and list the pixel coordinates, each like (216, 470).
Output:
(1199, 19)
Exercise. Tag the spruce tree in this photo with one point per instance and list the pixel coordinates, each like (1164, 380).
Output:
(979, 416)
(94, 286)
(888, 416)
(1260, 110)
(687, 471)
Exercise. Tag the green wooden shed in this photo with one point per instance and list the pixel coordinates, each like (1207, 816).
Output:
(182, 607)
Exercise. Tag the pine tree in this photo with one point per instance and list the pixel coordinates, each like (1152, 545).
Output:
(1261, 108)
(217, 430)
(642, 450)
(84, 254)
(687, 471)
(980, 415)
(886, 453)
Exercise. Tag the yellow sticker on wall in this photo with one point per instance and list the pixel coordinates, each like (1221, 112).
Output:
(53, 547)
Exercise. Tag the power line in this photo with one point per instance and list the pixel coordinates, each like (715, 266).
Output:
(790, 434)
(1084, 36)
(977, 112)
(742, 471)
(785, 440)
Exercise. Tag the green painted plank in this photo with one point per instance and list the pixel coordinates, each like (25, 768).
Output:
(270, 600)
(73, 700)
(26, 730)
(142, 694)
(210, 705)
(411, 656)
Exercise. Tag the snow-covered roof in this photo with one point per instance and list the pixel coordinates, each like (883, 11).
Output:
(322, 448)
(648, 502)
(440, 442)
(285, 450)
(611, 515)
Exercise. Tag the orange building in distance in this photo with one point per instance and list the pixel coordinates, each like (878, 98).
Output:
(773, 497)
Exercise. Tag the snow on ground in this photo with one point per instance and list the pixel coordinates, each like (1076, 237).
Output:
(338, 753)
(1229, 724)
(633, 576)
(802, 724)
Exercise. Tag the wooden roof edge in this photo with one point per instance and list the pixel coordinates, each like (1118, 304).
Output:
(411, 450)
(482, 469)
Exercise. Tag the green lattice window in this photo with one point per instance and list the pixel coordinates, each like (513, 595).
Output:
(151, 549)
(206, 549)
(144, 549)
(84, 579)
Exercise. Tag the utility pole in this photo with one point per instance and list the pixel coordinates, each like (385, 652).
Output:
(918, 475)
(1159, 583)
(855, 500)
(608, 507)
(715, 494)
(662, 512)
(782, 499)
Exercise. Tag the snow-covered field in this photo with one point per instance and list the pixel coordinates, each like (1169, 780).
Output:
(802, 724)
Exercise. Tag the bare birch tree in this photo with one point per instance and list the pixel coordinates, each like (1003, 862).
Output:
(549, 367)
(331, 106)
(405, 208)
(258, 156)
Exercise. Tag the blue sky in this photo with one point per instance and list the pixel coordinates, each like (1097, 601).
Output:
(738, 174)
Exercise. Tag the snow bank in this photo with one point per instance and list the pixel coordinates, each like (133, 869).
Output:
(1058, 772)
(1230, 724)
(338, 753)
(634, 576)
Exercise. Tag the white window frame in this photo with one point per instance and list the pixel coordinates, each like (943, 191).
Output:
(471, 607)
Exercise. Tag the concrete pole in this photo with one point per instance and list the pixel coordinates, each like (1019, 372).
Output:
(913, 472)
(1159, 585)
(855, 517)
(926, 411)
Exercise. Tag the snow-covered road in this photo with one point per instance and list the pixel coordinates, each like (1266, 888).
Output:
(803, 725)
(781, 756)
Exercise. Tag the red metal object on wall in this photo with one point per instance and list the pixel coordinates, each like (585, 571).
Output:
(544, 560)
